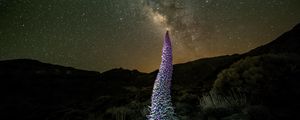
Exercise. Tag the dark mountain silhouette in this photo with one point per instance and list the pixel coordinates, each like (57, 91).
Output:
(288, 42)
(34, 90)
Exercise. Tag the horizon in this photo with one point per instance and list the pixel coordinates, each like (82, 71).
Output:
(103, 35)
(148, 71)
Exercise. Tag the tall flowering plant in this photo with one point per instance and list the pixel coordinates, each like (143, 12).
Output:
(161, 104)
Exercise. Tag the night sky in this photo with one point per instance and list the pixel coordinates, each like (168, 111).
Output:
(103, 34)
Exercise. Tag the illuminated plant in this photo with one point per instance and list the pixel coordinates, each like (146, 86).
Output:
(161, 104)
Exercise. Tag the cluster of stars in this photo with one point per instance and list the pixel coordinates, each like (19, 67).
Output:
(105, 34)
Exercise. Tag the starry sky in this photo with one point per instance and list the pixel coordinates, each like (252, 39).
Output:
(100, 35)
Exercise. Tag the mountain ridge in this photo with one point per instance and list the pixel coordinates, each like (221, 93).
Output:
(39, 90)
(282, 39)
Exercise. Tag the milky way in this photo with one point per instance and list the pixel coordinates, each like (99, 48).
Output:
(104, 34)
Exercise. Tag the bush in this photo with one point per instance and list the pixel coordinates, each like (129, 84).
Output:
(119, 113)
(260, 76)
(218, 105)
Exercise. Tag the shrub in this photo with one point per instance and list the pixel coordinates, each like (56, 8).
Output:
(258, 77)
(221, 105)
(119, 113)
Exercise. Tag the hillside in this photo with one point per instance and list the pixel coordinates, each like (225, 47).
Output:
(36, 90)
